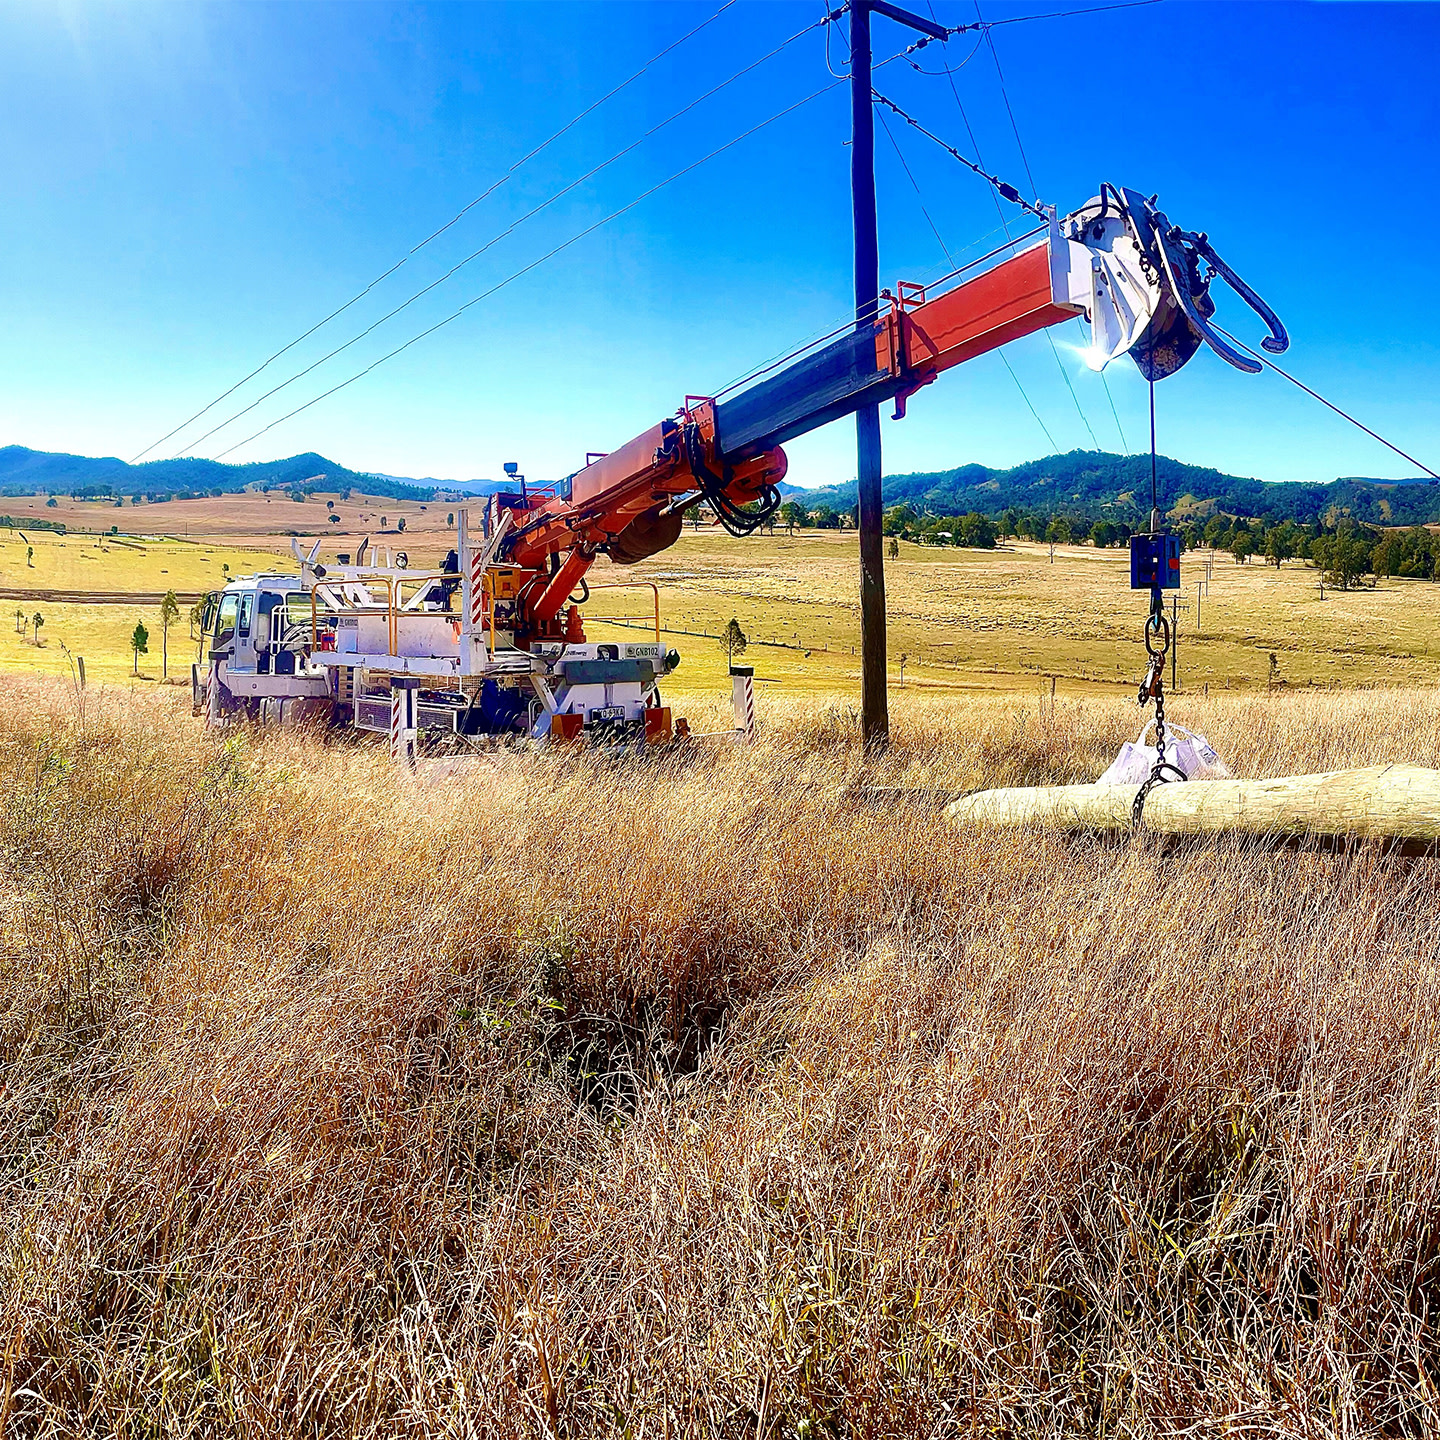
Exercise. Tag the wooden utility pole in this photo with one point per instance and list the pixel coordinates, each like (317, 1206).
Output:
(874, 705)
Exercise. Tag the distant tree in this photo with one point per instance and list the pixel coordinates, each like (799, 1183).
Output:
(1344, 557)
(1409, 553)
(977, 530)
(334, 519)
(50, 503)
(169, 613)
(38, 621)
(400, 525)
(1010, 522)
(733, 641)
(30, 554)
(824, 518)
(1102, 534)
(139, 643)
(1242, 546)
(791, 515)
(19, 620)
(900, 520)
(450, 518)
(384, 521)
(894, 548)
(1058, 531)
(1281, 542)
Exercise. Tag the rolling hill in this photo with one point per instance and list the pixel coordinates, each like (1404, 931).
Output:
(1096, 483)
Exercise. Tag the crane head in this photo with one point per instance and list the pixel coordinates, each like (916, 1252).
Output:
(1145, 285)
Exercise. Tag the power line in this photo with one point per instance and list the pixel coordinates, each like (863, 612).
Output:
(1005, 225)
(1066, 14)
(934, 230)
(503, 234)
(459, 214)
(1025, 160)
(525, 270)
(1124, 443)
(986, 26)
(847, 324)
(1315, 395)
(1009, 192)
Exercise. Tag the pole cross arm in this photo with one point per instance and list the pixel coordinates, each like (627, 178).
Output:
(904, 17)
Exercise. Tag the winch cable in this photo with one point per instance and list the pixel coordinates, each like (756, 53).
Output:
(435, 235)
(534, 264)
(504, 234)
(1330, 405)
(1158, 640)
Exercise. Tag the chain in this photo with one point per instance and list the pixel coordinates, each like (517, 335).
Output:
(1157, 646)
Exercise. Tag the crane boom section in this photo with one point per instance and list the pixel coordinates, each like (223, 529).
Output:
(902, 350)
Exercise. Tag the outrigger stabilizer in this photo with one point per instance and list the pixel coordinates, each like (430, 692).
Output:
(494, 641)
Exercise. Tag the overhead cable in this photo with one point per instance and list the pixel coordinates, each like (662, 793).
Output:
(434, 235)
(1012, 194)
(985, 26)
(501, 235)
(1009, 192)
(1025, 160)
(847, 325)
(934, 230)
(1315, 395)
(525, 269)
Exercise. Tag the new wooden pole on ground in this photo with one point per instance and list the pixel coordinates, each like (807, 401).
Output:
(1391, 802)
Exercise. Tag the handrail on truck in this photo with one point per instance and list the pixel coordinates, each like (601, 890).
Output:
(634, 585)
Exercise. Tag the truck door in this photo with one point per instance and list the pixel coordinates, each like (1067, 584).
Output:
(244, 633)
(225, 621)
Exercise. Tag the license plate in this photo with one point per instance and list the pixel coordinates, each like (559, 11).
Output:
(608, 712)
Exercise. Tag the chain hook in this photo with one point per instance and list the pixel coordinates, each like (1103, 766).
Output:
(1157, 646)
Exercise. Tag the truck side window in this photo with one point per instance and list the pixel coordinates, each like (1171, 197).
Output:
(247, 611)
(225, 619)
(265, 630)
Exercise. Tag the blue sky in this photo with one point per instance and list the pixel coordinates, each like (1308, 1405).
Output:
(190, 186)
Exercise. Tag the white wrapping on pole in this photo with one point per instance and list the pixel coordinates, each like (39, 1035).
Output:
(742, 690)
(404, 732)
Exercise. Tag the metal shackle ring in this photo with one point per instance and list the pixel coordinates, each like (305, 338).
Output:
(1157, 625)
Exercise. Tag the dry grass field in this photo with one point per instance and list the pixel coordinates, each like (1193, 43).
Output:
(964, 619)
(576, 1096)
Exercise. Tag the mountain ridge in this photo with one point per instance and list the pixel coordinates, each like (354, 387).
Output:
(1090, 483)
(1097, 484)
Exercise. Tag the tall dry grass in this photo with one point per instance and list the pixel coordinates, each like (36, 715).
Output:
(579, 1097)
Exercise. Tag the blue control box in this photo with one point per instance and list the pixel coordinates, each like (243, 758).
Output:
(1154, 562)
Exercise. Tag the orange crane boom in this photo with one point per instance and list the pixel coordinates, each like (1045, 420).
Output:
(1117, 262)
